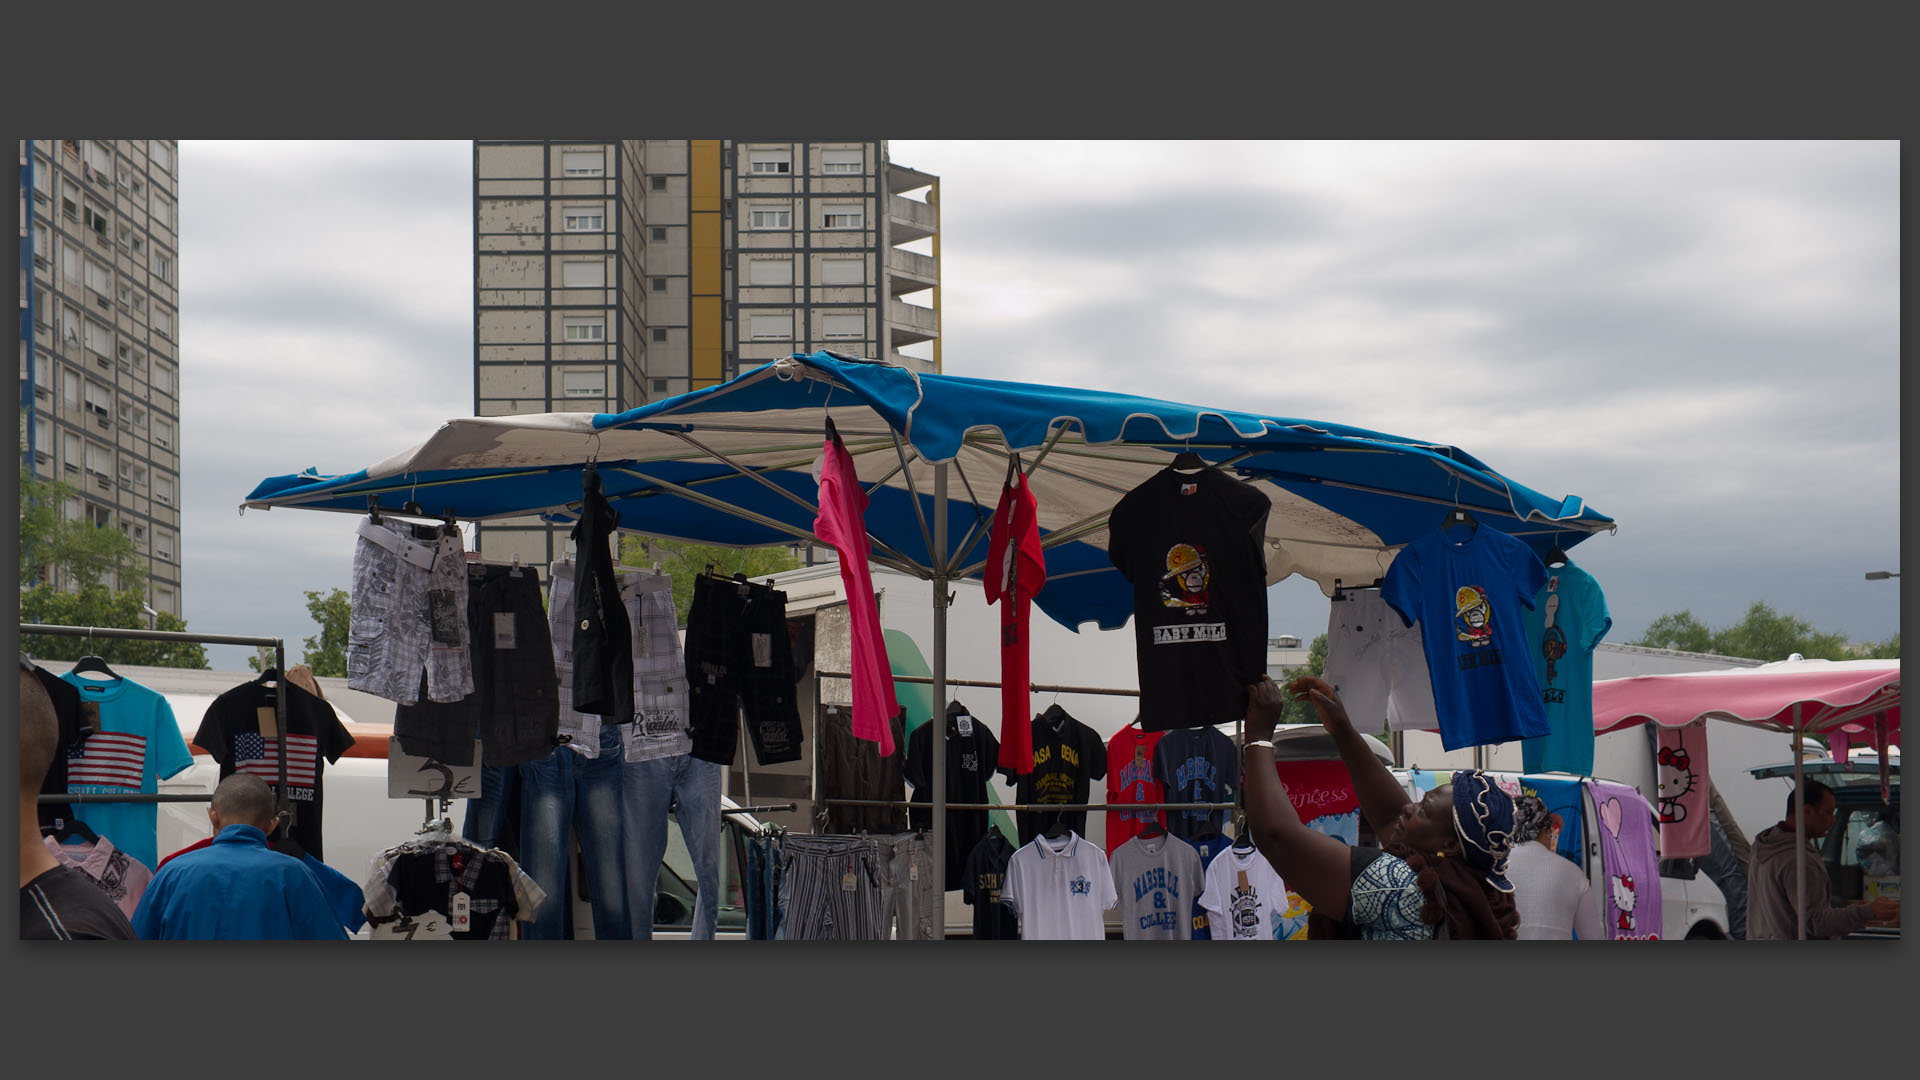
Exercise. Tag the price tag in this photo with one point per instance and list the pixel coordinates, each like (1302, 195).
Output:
(269, 724)
(965, 724)
(847, 881)
(460, 914)
(503, 630)
(444, 616)
(763, 650)
(913, 871)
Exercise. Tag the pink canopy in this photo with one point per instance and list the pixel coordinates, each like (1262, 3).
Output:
(1824, 696)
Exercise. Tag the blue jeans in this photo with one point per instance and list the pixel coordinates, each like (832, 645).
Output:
(487, 816)
(1723, 868)
(689, 788)
(766, 865)
(568, 792)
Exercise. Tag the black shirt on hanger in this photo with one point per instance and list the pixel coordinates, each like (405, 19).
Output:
(971, 757)
(1192, 545)
(1067, 757)
(985, 875)
(230, 733)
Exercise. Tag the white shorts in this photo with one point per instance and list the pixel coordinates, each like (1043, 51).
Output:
(1379, 664)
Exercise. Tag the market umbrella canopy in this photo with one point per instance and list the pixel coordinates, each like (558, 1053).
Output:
(1826, 695)
(733, 465)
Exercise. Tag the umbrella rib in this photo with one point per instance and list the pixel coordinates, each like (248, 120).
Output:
(936, 559)
(752, 474)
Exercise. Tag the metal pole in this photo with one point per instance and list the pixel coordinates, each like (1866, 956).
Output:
(283, 808)
(1038, 688)
(1799, 831)
(938, 560)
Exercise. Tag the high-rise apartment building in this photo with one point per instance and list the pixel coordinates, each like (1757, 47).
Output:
(99, 347)
(610, 274)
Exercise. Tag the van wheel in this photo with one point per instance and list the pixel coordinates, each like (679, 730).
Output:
(1705, 931)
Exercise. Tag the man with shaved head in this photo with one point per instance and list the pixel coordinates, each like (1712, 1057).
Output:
(57, 903)
(237, 888)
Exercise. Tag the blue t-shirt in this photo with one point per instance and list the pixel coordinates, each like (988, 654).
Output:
(1208, 846)
(1569, 617)
(236, 889)
(136, 745)
(1468, 594)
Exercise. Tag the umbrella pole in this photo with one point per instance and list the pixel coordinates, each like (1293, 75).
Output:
(938, 737)
(1799, 831)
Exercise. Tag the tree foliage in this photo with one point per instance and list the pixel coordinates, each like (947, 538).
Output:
(1299, 710)
(686, 561)
(87, 556)
(327, 654)
(1763, 634)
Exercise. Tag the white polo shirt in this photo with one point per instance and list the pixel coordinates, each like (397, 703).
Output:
(1060, 888)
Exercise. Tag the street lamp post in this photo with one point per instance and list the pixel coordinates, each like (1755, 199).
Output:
(1882, 575)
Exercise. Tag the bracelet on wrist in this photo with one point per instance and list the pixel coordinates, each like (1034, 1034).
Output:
(1268, 743)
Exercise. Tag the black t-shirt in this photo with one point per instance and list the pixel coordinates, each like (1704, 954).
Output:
(426, 881)
(1192, 545)
(1196, 765)
(230, 734)
(1066, 761)
(73, 730)
(970, 763)
(64, 904)
(981, 881)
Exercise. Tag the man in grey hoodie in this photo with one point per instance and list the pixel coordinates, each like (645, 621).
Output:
(1771, 878)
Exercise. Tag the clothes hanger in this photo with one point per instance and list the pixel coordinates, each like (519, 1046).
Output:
(1152, 829)
(1557, 555)
(1187, 460)
(373, 509)
(74, 827)
(1013, 469)
(93, 661)
(1057, 830)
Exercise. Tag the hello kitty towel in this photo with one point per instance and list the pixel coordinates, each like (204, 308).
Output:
(1629, 867)
(1684, 802)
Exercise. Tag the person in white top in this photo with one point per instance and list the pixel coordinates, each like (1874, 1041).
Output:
(1549, 891)
(1245, 899)
(1060, 889)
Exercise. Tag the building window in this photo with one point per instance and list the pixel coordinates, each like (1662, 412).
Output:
(42, 179)
(99, 517)
(99, 460)
(584, 219)
(583, 384)
(660, 334)
(771, 162)
(163, 265)
(96, 220)
(99, 278)
(659, 386)
(841, 161)
(583, 275)
(70, 324)
(658, 183)
(843, 217)
(163, 545)
(70, 455)
(770, 271)
(97, 156)
(163, 490)
(584, 163)
(844, 326)
(163, 434)
(163, 321)
(771, 219)
(772, 326)
(659, 233)
(69, 389)
(42, 245)
(843, 272)
(99, 339)
(163, 378)
(126, 299)
(99, 400)
(162, 155)
(585, 329)
(139, 245)
(163, 211)
(72, 267)
(140, 304)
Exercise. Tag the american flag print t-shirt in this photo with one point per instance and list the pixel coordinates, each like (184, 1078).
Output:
(136, 745)
(230, 733)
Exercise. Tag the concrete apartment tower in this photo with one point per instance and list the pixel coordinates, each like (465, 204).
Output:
(100, 333)
(610, 274)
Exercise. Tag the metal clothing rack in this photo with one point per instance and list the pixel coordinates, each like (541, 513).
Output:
(282, 805)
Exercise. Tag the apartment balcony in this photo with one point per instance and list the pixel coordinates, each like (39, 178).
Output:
(910, 220)
(900, 178)
(909, 271)
(910, 323)
(911, 363)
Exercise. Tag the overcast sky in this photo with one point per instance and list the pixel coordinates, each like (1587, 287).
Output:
(1701, 339)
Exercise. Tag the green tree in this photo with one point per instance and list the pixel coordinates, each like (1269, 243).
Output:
(1299, 710)
(686, 561)
(1762, 634)
(1884, 650)
(326, 654)
(87, 556)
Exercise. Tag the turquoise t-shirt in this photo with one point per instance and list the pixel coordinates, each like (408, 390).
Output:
(1568, 619)
(137, 744)
(1469, 592)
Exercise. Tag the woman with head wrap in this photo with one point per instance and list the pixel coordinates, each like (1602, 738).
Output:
(1440, 869)
(1549, 891)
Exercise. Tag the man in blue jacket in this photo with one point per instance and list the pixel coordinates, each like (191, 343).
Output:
(237, 888)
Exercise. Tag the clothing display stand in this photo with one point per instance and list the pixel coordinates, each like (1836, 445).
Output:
(282, 806)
